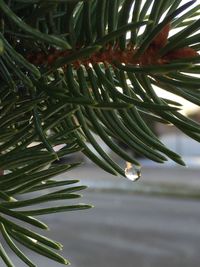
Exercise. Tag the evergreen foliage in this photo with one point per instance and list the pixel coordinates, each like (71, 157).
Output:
(72, 70)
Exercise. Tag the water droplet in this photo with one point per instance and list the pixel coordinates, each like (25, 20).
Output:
(133, 173)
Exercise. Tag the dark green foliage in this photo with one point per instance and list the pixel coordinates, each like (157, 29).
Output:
(66, 74)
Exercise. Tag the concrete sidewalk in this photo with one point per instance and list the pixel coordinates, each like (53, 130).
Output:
(157, 180)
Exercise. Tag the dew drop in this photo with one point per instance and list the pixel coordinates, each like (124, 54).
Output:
(133, 173)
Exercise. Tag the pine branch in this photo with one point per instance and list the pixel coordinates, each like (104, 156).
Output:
(72, 70)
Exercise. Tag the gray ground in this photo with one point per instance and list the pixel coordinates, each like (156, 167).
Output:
(129, 230)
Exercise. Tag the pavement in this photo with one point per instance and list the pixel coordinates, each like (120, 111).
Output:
(125, 230)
